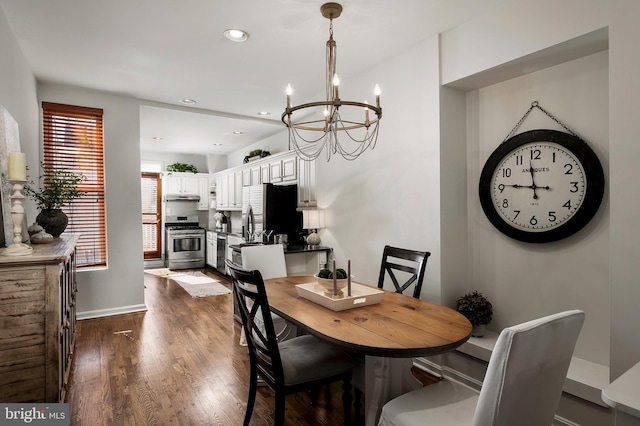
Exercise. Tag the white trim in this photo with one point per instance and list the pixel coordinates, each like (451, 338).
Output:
(113, 311)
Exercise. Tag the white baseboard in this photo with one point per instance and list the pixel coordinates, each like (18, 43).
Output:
(108, 312)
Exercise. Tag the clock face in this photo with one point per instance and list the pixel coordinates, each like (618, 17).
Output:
(541, 186)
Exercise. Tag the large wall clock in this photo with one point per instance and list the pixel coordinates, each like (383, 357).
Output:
(541, 186)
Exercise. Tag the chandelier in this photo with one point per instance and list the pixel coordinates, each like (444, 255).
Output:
(314, 126)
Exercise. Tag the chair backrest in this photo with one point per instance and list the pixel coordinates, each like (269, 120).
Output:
(415, 264)
(527, 371)
(268, 259)
(262, 342)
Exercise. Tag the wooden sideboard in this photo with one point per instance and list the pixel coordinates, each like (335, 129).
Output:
(37, 322)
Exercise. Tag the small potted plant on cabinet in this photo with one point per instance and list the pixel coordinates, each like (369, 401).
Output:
(477, 309)
(182, 168)
(58, 188)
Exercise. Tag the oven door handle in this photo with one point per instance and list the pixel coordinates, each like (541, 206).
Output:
(186, 235)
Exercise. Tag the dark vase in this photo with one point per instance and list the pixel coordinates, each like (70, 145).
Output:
(54, 221)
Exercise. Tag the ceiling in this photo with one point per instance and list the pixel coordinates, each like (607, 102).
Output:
(163, 51)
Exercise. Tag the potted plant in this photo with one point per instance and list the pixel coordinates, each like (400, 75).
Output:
(182, 167)
(255, 154)
(58, 188)
(477, 309)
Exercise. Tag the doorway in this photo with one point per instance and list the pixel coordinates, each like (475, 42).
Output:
(152, 215)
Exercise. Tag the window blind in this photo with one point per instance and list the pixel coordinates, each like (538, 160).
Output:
(151, 208)
(73, 141)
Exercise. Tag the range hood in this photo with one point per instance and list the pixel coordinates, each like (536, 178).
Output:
(182, 197)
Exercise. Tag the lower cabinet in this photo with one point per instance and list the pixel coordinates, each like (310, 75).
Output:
(38, 318)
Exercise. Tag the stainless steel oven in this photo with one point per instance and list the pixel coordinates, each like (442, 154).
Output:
(185, 243)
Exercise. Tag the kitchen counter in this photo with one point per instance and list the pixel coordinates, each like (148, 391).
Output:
(292, 248)
(300, 259)
(235, 234)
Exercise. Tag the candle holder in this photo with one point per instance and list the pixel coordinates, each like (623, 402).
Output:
(17, 248)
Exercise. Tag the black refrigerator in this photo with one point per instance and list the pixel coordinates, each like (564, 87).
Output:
(271, 207)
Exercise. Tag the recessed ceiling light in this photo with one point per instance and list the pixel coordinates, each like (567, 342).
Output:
(217, 144)
(157, 138)
(264, 113)
(238, 132)
(187, 101)
(236, 35)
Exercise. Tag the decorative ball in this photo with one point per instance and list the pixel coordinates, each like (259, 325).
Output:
(34, 229)
(313, 239)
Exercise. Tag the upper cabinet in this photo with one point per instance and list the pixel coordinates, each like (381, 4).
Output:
(289, 169)
(279, 169)
(229, 190)
(307, 184)
(188, 184)
(204, 184)
(181, 183)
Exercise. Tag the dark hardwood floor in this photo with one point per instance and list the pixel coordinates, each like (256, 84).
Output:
(179, 363)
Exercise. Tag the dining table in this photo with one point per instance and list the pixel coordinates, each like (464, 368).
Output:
(387, 335)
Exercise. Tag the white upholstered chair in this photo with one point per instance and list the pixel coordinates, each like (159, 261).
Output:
(269, 260)
(522, 386)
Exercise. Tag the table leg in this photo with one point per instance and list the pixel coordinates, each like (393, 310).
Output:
(385, 379)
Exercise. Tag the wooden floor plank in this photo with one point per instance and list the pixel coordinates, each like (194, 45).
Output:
(179, 363)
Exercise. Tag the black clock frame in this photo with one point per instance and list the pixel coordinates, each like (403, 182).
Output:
(593, 195)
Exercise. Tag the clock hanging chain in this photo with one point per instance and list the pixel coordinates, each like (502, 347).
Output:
(536, 104)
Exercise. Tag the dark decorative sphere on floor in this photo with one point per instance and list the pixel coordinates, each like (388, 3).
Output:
(54, 221)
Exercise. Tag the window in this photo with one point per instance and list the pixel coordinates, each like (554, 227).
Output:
(151, 215)
(73, 140)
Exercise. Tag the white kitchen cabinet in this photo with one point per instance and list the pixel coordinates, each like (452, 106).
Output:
(180, 183)
(285, 168)
(203, 190)
(275, 171)
(256, 175)
(229, 191)
(246, 177)
(212, 248)
(251, 176)
(235, 190)
(289, 169)
(265, 174)
(222, 192)
(307, 184)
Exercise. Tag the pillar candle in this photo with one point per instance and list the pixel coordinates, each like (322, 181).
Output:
(349, 277)
(17, 166)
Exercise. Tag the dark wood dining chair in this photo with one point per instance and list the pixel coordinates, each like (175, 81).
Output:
(414, 263)
(286, 367)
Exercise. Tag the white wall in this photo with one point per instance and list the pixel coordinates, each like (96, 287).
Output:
(389, 195)
(200, 161)
(120, 287)
(18, 96)
(276, 144)
(507, 35)
(624, 90)
(523, 280)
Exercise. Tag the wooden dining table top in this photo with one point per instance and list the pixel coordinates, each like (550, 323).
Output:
(398, 327)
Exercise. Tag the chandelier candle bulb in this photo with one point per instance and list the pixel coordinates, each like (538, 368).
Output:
(376, 91)
(289, 90)
(17, 166)
(336, 84)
